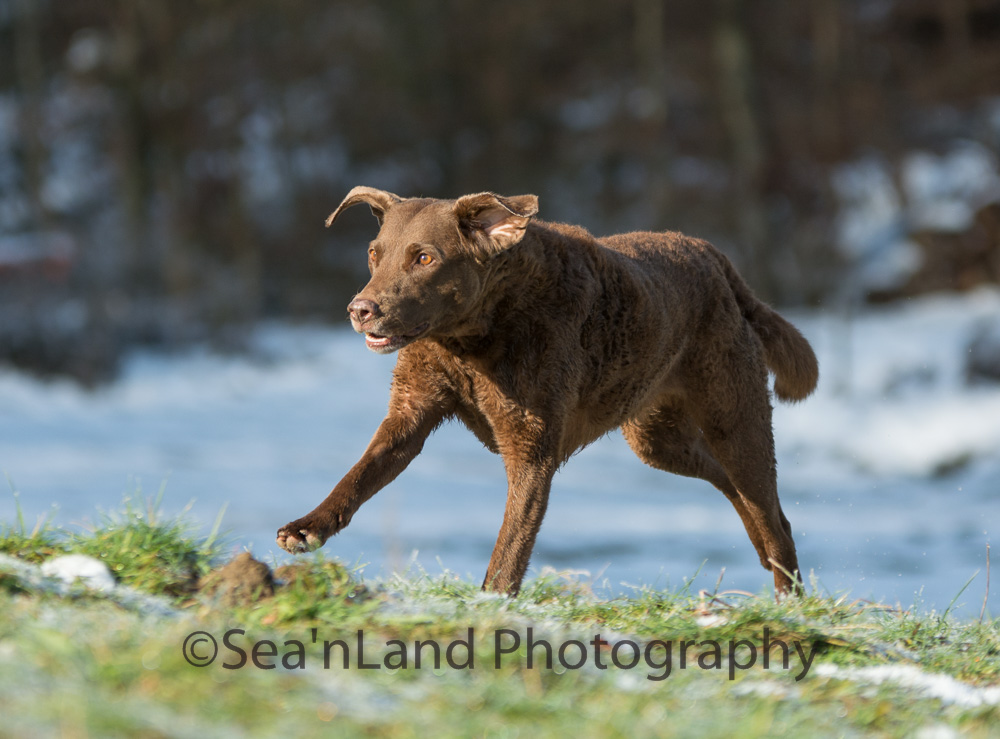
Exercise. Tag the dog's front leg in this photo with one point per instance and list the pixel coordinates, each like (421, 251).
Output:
(399, 439)
(529, 477)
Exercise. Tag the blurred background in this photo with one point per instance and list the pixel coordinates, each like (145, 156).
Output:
(165, 169)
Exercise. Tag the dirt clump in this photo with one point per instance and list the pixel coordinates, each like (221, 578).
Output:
(242, 581)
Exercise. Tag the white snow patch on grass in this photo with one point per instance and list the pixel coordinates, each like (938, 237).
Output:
(929, 685)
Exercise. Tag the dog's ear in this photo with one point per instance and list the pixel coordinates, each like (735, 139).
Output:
(378, 200)
(500, 220)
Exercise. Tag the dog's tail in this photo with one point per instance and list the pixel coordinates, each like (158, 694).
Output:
(786, 351)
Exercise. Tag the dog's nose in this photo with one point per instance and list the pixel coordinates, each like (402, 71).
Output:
(362, 309)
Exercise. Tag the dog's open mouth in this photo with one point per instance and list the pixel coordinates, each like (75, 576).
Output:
(386, 344)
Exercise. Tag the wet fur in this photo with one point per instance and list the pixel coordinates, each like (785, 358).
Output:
(543, 338)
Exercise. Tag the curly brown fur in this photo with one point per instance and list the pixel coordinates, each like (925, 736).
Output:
(541, 338)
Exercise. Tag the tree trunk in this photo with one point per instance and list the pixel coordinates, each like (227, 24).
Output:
(749, 156)
(30, 79)
(651, 52)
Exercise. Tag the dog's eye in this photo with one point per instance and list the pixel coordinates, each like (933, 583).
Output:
(371, 253)
(424, 259)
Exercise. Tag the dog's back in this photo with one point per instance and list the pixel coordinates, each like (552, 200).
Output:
(712, 285)
(650, 309)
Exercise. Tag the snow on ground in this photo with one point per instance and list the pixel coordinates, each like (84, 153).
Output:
(880, 203)
(893, 399)
(945, 688)
(889, 473)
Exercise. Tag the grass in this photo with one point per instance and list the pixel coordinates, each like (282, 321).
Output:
(35, 545)
(147, 551)
(85, 664)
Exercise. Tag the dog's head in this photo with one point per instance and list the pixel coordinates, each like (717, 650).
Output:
(429, 261)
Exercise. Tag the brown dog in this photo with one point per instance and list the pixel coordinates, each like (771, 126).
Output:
(542, 338)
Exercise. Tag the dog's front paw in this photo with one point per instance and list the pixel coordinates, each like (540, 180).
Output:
(308, 533)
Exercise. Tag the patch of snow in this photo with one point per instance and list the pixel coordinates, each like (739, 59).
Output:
(764, 689)
(888, 267)
(936, 731)
(710, 619)
(943, 192)
(892, 397)
(937, 686)
(59, 578)
(870, 206)
(92, 573)
(870, 226)
(934, 192)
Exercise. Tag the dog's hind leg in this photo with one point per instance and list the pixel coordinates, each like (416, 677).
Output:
(734, 414)
(669, 440)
